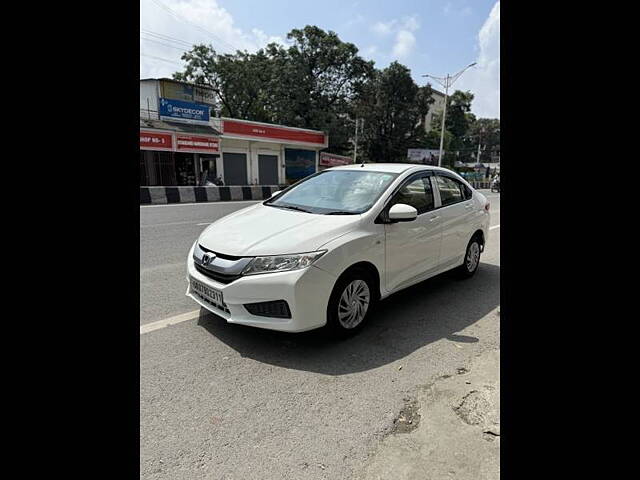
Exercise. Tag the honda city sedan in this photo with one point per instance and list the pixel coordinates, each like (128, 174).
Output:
(324, 251)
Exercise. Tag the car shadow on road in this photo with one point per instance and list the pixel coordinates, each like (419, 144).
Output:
(406, 321)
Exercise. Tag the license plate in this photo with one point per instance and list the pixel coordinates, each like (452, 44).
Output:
(209, 293)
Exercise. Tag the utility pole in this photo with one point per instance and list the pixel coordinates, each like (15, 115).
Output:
(446, 82)
(355, 147)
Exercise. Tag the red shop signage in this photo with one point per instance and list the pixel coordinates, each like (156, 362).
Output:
(244, 129)
(156, 140)
(333, 160)
(198, 144)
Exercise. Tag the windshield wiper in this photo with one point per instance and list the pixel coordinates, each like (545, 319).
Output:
(289, 207)
(341, 212)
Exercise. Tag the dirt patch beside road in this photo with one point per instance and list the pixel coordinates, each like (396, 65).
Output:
(458, 435)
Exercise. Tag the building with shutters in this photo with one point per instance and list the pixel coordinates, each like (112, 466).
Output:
(183, 143)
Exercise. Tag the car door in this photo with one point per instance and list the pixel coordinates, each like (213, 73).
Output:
(455, 212)
(412, 248)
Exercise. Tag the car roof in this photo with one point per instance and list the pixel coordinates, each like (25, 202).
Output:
(387, 167)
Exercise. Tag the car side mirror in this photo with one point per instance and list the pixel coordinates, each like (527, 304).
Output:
(275, 193)
(401, 212)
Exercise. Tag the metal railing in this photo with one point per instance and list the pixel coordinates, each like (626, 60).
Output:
(147, 114)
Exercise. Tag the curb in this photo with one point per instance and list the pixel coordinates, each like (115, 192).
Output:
(167, 195)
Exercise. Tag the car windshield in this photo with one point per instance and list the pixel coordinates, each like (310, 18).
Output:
(335, 192)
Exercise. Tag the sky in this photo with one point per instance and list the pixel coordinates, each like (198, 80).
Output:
(435, 37)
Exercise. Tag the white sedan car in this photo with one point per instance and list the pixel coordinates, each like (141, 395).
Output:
(326, 249)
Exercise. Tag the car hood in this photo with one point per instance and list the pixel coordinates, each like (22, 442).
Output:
(262, 230)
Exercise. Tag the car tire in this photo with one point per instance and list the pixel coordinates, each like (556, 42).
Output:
(346, 318)
(471, 260)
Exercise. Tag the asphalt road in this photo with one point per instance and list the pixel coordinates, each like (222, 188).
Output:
(221, 401)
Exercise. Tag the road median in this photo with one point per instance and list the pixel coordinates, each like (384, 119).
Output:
(168, 195)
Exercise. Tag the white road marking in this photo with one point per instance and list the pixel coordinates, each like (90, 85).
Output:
(200, 203)
(150, 327)
(495, 226)
(204, 223)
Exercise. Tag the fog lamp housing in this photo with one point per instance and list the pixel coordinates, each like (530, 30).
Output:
(276, 309)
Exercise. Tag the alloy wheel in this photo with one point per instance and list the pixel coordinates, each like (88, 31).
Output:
(473, 257)
(353, 304)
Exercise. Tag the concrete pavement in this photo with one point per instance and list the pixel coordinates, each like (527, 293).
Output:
(221, 401)
(457, 429)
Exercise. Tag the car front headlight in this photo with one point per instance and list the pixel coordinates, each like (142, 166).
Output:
(281, 263)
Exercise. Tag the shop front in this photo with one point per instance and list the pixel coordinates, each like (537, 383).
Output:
(177, 155)
(242, 153)
(255, 153)
(181, 143)
(157, 165)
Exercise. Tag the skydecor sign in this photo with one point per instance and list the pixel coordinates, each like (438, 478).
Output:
(156, 141)
(187, 112)
(273, 133)
(197, 144)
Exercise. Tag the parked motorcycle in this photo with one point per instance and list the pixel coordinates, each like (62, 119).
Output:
(495, 184)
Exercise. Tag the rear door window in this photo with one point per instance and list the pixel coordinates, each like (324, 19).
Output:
(450, 190)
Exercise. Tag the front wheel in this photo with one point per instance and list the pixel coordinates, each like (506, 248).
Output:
(350, 303)
(471, 259)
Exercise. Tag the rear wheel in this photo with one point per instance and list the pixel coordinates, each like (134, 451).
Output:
(350, 302)
(471, 258)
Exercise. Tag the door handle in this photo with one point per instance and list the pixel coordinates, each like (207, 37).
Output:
(435, 217)
(468, 206)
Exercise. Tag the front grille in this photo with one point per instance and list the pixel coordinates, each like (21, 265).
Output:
(218, 277)
(221, 255)
(206, 300)
(277, 308)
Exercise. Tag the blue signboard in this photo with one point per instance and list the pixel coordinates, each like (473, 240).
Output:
(299, 163)
(181, 111)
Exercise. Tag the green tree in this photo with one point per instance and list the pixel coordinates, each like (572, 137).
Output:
(240, 80)
(458, 113)
(309, 84)
(457, 124)
(317, 79)
(393, 108)
(485, 131)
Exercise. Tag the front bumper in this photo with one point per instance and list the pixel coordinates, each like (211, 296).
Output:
(306, 291)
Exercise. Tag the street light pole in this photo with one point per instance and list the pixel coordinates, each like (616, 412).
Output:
(479, 143)
(444, 115)
(446, 82)
(355, 146)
